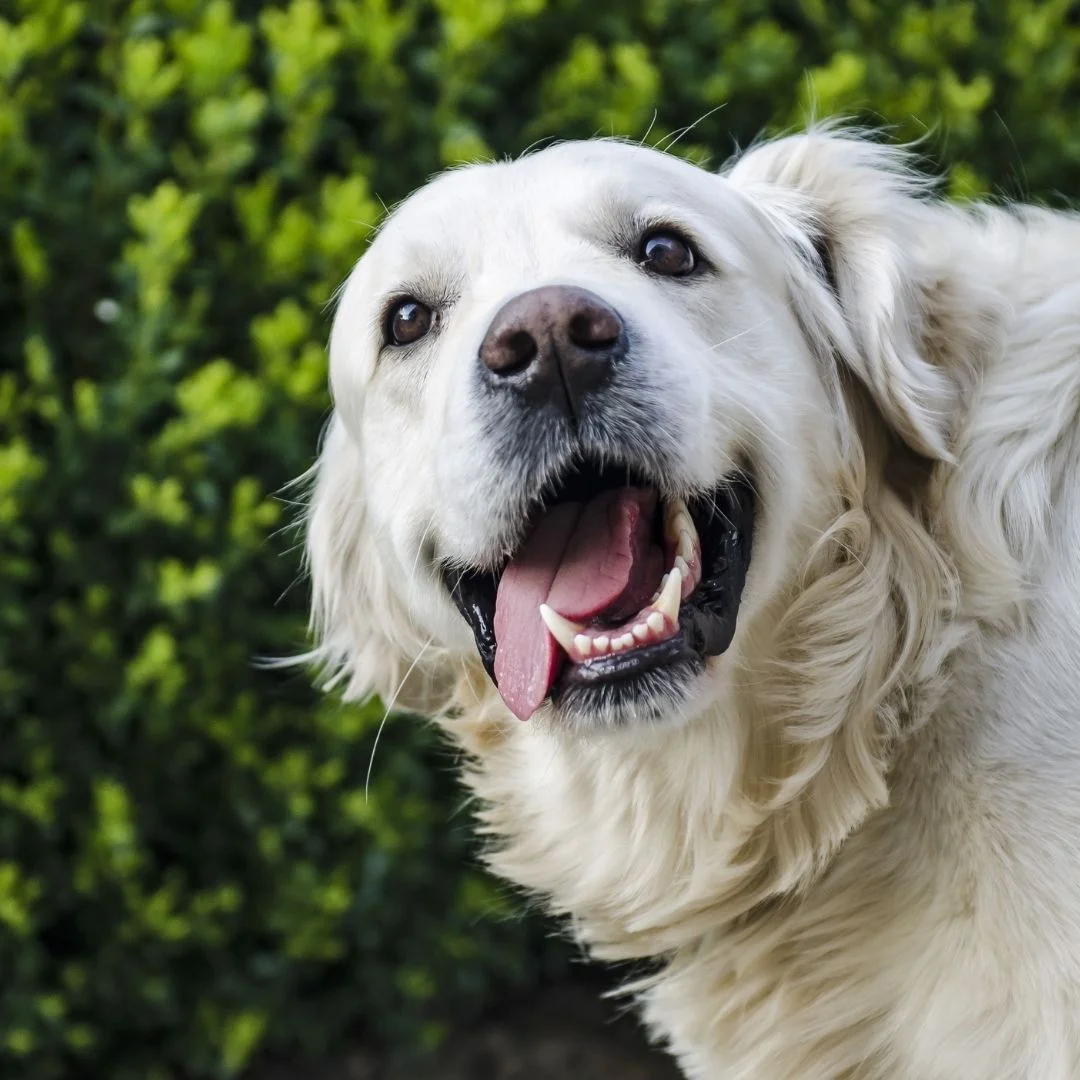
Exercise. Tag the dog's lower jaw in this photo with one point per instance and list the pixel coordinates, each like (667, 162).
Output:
(655, 699)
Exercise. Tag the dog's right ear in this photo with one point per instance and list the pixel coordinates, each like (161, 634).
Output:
(365, 643)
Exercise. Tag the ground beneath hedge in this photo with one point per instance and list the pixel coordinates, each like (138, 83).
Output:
(566, 1033)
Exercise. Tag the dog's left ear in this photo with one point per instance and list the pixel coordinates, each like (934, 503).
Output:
(856, 215)
(365, 643)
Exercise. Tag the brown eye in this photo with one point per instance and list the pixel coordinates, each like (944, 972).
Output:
(407, 321)
(665, 252)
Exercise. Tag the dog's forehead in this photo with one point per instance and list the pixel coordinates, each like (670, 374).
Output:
(554, 189)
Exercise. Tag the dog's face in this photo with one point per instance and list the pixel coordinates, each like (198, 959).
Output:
(589, 417)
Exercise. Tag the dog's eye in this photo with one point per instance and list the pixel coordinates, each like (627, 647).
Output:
(666, 252)
(407, 321)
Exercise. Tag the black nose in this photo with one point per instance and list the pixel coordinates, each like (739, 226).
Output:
(553, 344)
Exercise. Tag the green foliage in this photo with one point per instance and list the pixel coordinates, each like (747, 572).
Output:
(189, 868)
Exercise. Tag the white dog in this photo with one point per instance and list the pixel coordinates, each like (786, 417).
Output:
(757, 495)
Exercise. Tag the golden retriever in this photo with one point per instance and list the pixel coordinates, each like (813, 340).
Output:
(731, 523)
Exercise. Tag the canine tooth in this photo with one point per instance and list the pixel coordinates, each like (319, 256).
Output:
(655, 622)
(674, 510)
(671, 596)
(583, 643)
(641, 632)
(562, 629)
(682, 567)
(602, 643)
(687, 535)
(686, 545)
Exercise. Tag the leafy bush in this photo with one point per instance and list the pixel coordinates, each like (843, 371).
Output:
(189, 868)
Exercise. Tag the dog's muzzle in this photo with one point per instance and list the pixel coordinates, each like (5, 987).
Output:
(616, 580)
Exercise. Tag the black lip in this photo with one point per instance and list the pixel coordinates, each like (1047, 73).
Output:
(474, 593)
(616, 667)
(725, 524)
(724, 518)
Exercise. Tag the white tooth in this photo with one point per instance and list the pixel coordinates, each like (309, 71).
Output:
(680, 564)
(562, 630)
(674, 510)
(583, 644)
(685, 546)
(602, 643)
(617, 644)
(627, 641)
(671, 596)
(641, 631)
(655, 622)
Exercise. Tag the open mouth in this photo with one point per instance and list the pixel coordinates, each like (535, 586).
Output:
(618, 589)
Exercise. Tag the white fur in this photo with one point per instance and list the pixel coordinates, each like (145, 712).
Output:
(856, 853)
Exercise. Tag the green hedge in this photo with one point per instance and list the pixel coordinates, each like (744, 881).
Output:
(189, 869)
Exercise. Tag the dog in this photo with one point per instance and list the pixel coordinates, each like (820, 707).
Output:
(730, 522)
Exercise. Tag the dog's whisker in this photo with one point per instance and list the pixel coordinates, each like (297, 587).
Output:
(645, 138)
(742, 333)
(680, 134)
(420, 546)
(754, 433)
(389, 708)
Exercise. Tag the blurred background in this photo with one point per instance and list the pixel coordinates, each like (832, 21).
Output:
(192, 881)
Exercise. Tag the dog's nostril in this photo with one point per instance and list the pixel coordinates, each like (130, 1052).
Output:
(510, 353)
(594, 328)
(520, 348)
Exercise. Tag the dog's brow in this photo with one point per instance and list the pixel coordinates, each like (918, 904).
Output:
(619, 209)
(616, 216)
(436, 288)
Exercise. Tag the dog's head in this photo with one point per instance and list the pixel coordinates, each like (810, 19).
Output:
(599, 413)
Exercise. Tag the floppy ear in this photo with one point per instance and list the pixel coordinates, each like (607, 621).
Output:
(857, 212)
(365, 642)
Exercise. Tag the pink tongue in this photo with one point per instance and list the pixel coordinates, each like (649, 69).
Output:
(582, 559)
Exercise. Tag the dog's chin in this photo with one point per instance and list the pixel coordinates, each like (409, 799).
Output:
(638, 662)
(610, 695)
